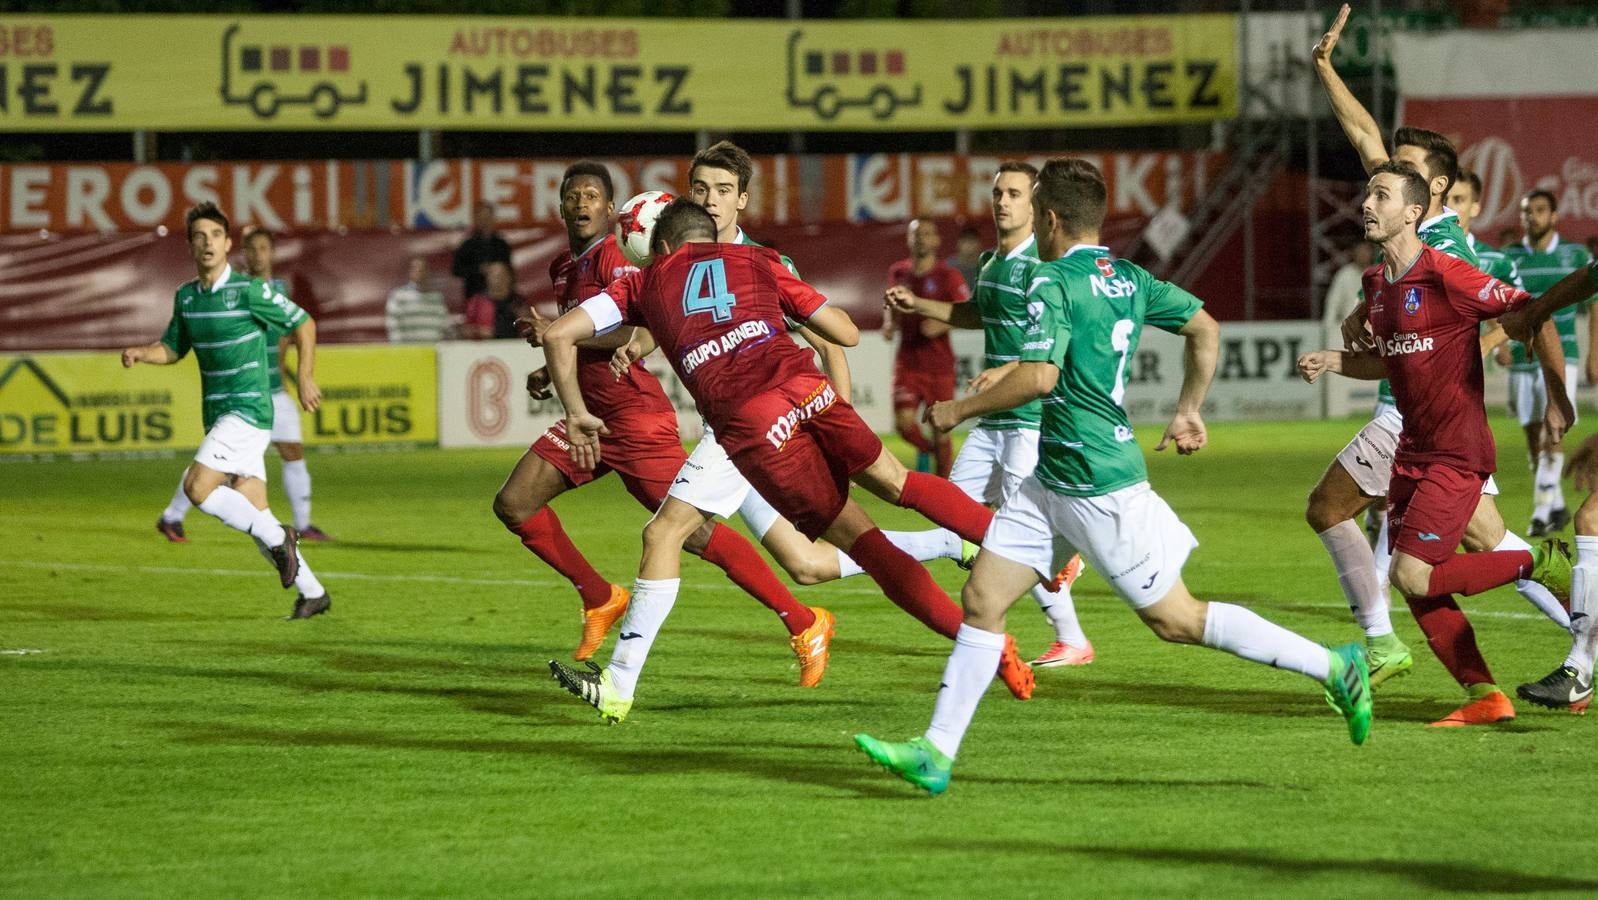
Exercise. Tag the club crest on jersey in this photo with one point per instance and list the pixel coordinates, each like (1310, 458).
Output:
(1017, 275)
(1412, 300)
(1106, 268)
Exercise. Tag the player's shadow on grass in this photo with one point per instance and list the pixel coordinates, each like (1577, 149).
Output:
(1441, 875)
(407, 547)
(932, 645)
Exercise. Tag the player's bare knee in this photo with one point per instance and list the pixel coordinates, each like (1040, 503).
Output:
(1411, 577)
(1320, 511)
(512, 506)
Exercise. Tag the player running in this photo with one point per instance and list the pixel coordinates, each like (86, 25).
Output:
(1002, 449)
(923, 366)
(229, 319)
(1544, 259)
(287, 435)
(718, 311)
(1090, 491)
(1425, 308)
(643, 448)
(1361, 472)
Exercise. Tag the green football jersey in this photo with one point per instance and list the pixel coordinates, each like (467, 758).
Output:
(1086, 312)
(1001, 300)
(1443, 234)
(229, 327)
(274, 366)
(1539, 271)
(744, 238)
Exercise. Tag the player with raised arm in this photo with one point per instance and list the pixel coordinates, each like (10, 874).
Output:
(1090, 492)
(643, 448)
(287, 434)
(1543, 259)
(1361, 471)
(1002, 449)
(719, 312)
(923, 366)
(228, 319)
(1425, 309)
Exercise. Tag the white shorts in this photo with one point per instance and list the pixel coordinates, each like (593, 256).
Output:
(235, 447)
(1368, 458)
(1130, 536)
(286, 419)
(710, 483)
(1527, 397)
(992, 463)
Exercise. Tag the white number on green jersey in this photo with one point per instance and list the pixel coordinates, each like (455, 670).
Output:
(1121, 342)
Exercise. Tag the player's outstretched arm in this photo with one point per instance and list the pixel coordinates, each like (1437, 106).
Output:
(1199, 356)
(834, 362)
(960, 315)
(1557, 413)
(303, 337)
(1357, 123)
(560, 357)
(1523, 323)
(835, 325)
(1021, 385)
(156, 354)
(1359, 366)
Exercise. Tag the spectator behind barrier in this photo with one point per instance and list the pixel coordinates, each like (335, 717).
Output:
(492, 314)
(415, 312)
(482, 247)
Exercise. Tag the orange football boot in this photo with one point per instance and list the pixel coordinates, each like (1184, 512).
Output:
(1067, 575)
(597, 621)
(1491, 709)
(1017, 675)
(813, 647)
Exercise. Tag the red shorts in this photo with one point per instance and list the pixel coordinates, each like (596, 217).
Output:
(799, 445)
(1428, 508)
(914, 389)
(645, 450)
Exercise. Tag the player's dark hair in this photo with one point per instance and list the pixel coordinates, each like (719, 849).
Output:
(681, 221)
(261, 232)
(1018, 165)
(593, 169)
(206, 210)
(1553, 203)
(1074, 189)
(1442, 160)
(1412, 184)
(1466, 176)
(728, 157)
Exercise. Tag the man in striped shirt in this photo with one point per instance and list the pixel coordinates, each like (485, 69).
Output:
(415, 312)
(228, 319)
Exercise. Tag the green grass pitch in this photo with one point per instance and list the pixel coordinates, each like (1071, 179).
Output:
(174, 738)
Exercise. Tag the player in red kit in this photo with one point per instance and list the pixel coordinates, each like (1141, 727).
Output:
(923, 368)
(718, 312)
(1425, 309)
(644, 450)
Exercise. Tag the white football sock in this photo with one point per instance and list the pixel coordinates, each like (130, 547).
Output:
(179, 506)
(1356, 573)
(1538, 595)
(971, 667)
(651, 603)
(297, 484)
(1383, 553)
(305, 581)
(1584, 606)
(1544, 484)
(1060, 610)
(1556, 473)
(237, 512)
(938, 543)
(1242, 632)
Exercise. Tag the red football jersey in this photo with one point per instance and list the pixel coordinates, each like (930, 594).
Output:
(1426, 328)
(942, 282)
(577, 279)
(717, 312)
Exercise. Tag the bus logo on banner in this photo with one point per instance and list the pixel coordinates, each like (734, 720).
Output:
(268, 77)
(830, 80)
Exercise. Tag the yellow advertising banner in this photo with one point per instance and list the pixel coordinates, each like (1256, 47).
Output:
(65, 403)
(188, 73)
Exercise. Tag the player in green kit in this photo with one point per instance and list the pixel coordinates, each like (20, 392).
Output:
(1002, 449)
(1543, 259)
(228, 319)
(1090, 490)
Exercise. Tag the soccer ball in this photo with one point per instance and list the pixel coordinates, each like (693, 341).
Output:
(635, 225)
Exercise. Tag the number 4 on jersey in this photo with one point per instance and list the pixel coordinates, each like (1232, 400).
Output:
(706, 291)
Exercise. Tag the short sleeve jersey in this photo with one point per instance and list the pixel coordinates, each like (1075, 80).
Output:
(918, 353)
(576, 278)
(1539, 271)
(718, 312)
(1443, 233)
(229, 328)
(1001, 300)
(274, 366)
(1426, 324)
(1086, 312)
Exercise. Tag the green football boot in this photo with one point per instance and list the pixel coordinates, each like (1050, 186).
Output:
(1348, 688)
(593, 688)
(1550, 567)
(915, 760)
(1387, 657)
(968, 554)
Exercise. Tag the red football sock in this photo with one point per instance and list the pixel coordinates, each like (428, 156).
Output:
(744, 565)
(906, 582)
(1472, 573)
(1451, 638)
(916, 437)
(945, 455)
(945, 504)
(542, 534)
